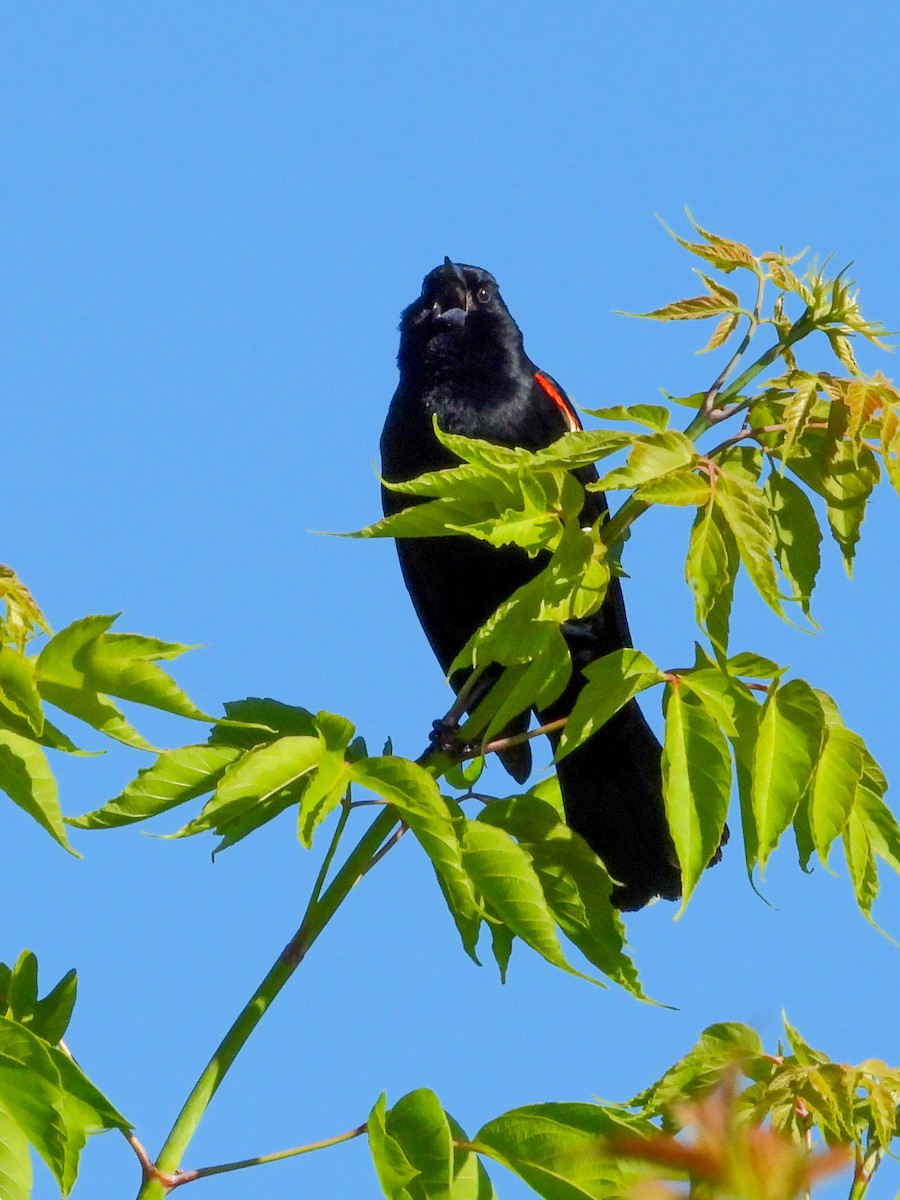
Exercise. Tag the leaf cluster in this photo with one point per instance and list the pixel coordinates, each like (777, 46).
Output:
(46, 1100)
(796, 1118)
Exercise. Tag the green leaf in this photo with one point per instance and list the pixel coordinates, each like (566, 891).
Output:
(56, 662)
(575, 884)
(805, 1055)
(50, 1100)
(880, 823)
(746, 511)
(682, 488)
(745, 714)
(838, 774)
(256, 719)
(418, 1125)
(26, 778)
(753, 666)
(721, 333)
(572, 585)
(393, 1168)
(176, 777)
(99, 712)
(23, 616)
(788, 746)
(124, 666)
(21, 993)
(715, 691)
(656, 416)
(652, 456)
(860, 861)
(611, 682)
(890, 446)
(710, 569)
(797, 536)
(536, 683)
(697, 308)
(504, 875)
(719, 1048)
(843, 475)
(327, 787)
(722, 253)
(50, 737)
(260, 784)
(62, 681)
(19, 690)
(557, 1149)
(580, 448)
(51, 1015)
(696, 772)
(15, 1161)
(470, 1179)
(438, 824)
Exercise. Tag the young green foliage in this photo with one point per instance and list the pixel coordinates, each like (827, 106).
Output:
(46, 1100)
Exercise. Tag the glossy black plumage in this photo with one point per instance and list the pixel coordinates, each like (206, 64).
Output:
(462, 357)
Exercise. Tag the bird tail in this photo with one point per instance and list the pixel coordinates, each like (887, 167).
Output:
(612, 793)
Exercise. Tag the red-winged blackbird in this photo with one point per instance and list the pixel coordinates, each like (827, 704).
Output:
(462, 358)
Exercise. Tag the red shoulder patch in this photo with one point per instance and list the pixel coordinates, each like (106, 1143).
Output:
(559, 398)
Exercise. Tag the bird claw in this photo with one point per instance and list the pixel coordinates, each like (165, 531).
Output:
(444, 738)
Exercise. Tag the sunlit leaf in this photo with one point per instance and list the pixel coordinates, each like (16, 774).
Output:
(15, 1160)
(575, 883)
(258, 786)
(746, 511)
(176, 777)
(418, 1125)
(50, 1100)
(503, 873)
(653, 415)
(720, 1047)
(693, 309)
(797, 535)
(696, 771)
(395, 1171)
(838, 774)
(26, 778)
(788, 745)
(721, 333)
(710, 568)
(683, 487)
(438, 824)
(557, 1149)
(860, 862)
(611, 682)
(652, 455)
(18, 689)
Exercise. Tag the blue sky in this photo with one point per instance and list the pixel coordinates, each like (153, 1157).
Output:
(212, 215)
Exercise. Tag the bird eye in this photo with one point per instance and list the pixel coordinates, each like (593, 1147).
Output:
(485, 293)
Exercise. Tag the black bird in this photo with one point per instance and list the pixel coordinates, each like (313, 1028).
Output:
(462, 358)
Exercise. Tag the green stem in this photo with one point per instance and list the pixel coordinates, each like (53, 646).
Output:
(279, 1156)
(316, 919)
(865, 1169)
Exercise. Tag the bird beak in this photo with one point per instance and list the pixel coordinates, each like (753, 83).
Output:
(452, 302)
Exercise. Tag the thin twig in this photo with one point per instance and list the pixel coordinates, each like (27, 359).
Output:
(181, 1177)
(747, 432)
(708, 408)
(388, 845)
(147, 1164)
(346, 805)
(516, 739)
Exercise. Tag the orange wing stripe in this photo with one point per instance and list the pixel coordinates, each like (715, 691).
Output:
(546, 384)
